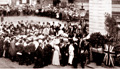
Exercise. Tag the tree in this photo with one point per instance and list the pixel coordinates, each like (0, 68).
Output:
(111, 26)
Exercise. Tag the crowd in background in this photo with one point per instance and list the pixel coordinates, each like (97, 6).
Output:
(44, 43)
(67, 13)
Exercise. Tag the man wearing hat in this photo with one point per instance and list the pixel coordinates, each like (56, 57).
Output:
(64, 52)
(83, 52)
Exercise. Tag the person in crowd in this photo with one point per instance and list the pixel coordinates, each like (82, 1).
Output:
(39, 56)
(64, 53)
(6, 47)
(83, 52)
(1, 45)
(51, 31)
(56, 55)
(2, 18)
(43, 53)
(20, 44)
(47, 54)
(71, 53)
(29, 51)
(12, 49)
(76, 47)
(60, 16)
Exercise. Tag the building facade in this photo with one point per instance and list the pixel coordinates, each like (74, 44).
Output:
(3, 2)
(30, 2)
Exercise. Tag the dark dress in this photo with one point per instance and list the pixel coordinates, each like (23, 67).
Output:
(2, 18)
(84, 55)
(1, 47)
(39, 54)
(48, 54)
(60, 16)
(20, 58)
(75, 59)
(12, 50)
(7, 45)
(29, 53)
(64, 56)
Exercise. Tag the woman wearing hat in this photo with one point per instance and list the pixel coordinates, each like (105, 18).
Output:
(12, 49)
(56, 53)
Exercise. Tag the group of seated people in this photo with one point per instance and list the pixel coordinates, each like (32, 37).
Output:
(44, 43)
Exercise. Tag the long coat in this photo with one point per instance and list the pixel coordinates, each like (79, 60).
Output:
(48, 54)
(39, 54)
(12, 49)
(1, 47)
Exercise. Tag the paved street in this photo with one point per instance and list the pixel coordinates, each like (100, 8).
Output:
(6, 63)
(29, 18)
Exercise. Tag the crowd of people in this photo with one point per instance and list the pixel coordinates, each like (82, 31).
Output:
(44, 43)
(25, 9)
(68, 13)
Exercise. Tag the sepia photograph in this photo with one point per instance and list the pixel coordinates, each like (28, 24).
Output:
(67, 34)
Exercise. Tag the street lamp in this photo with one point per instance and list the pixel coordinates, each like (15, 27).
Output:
(82, 7)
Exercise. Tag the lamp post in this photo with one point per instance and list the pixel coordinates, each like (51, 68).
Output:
(82, 7)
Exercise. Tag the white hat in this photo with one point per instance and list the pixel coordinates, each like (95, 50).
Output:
(51, 37)
(41, 37)
(29, 39)
(40, 41)
(51, 23)
(56, 41)
(75, 39)
(65, 39)
(24, 36)
(65, 35)
(17, 38)
(79, 26)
